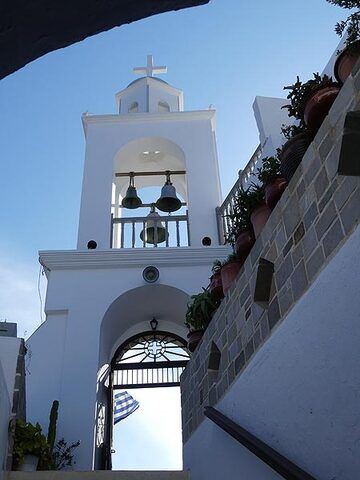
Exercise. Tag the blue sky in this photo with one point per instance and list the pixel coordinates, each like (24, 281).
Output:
(224, 54)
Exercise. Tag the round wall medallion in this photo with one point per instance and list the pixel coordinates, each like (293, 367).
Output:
(150, 274)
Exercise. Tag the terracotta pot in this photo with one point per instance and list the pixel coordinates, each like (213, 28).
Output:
(194, 339)
(273, 191)
(292, 153)
(345, 62)
(259, 217)
(318, 106)
(215, 287)
(243, 244)
(229, 272)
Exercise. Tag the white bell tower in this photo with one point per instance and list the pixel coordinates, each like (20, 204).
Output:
(150, 133)
(131, 268)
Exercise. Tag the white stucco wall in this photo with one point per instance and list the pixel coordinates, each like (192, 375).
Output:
(65, 350)
(301, 391)
(9, 351)
(5, 412)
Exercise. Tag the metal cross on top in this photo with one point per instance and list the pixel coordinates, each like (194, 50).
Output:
(150, 69)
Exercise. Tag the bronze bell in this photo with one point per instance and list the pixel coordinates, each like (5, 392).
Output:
(168, 201)
(131, 199)
(152, 223)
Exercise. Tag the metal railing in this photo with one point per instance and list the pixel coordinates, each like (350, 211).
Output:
(227, 208)
(125, 232)
(287, 469)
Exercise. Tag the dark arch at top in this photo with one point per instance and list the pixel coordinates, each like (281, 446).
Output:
(30, 29)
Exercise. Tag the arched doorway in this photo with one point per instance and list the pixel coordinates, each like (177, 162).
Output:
(147, 360)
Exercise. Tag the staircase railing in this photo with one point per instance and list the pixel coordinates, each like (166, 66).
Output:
(279, 463)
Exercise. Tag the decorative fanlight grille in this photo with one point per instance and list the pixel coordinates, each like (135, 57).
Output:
(150, 359)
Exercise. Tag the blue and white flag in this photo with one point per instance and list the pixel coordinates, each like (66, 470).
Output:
(124, 405)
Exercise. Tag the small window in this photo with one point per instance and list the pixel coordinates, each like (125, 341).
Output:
(163, 107)
(134, 107)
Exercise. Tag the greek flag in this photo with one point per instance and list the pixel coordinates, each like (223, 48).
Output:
(124, 405)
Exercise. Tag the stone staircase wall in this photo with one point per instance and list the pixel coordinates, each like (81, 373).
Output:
(99, 475)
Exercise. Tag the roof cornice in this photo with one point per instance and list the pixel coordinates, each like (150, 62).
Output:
(88, 119)
(130, 257)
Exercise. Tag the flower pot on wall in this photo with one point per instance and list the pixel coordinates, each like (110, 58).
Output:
(243, 244)
(29, 464)
(345, 61)
(292, 153)
(215, 287)
(229, 272)
(273, 191)
(318, 106)
(259, 217)
(194, 338)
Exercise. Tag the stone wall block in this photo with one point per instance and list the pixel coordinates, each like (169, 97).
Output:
(291, 215)
(326, 219)
(283, 272)
(285, 299)
(350, 213)
(328, 195)
(312, 171)
(280, 238)
(332, 160)
(309, 242)
(321, 183)
(273, 313)
(333, 238)
(315, 262)
(299, 281)
(345, 189)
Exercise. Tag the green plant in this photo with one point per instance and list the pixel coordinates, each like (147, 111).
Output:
(29, 440)
(52, 424)
(255, 197)
(239, 217)
(352, 24)
(300, 92)
(63, 456)
(200, 310)
(269, 170)
(232, 257)
(290, 131)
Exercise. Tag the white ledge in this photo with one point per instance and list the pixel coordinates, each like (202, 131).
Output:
(147, 117)
(126, 257)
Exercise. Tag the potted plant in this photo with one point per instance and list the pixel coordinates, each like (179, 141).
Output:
(271, 177)
(30, 446)
(229, 270)
(259, 211)
(198, 315)
(292, 152)
(240, 233)
(311, 101)
(215, 287)
(347, 57)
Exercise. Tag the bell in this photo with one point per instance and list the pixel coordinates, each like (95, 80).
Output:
(131, 199)
(168, 201)
(152, 223)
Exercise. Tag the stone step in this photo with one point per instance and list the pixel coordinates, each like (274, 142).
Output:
(99, 475)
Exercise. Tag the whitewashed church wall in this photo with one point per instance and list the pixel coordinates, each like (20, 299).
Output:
(300, 391)
(137, 95)
(71, 343)
(157, 95)
(44, 367)
(5, 413)
(194, 137)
